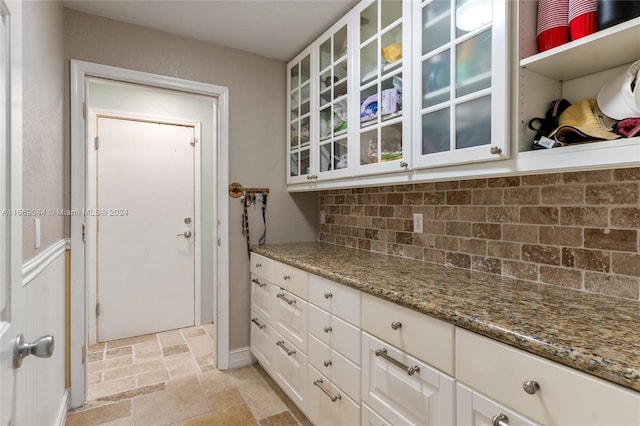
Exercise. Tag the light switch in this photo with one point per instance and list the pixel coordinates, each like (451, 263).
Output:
(323, 217)
(36, 232)
(417, 223)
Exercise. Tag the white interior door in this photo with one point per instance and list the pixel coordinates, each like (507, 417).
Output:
(145, 227)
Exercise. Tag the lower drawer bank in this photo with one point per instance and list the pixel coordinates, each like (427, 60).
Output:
(415, 369)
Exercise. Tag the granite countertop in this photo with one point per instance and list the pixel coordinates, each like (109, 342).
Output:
(595, 334)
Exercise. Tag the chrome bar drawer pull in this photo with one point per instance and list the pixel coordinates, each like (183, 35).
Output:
(410, 370)
(257, 281)
(333, 398)
(500, 420)
(328, 295)
(256, 322)
(396, 325)
(530, 386)
(284, 348)
(283, 297)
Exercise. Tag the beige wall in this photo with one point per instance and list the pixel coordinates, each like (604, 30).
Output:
(43, 92)
(256, 134)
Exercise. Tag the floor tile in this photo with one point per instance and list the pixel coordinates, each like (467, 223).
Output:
(239, 415)
(95, 377)
(100, 415)
(151, 377)
(181, 365)
(132, 369)
(112, 387)
(108, 364)
(200, 345)
(281, 419)
(173, 350)
(222, 400)
(130, 341)
(134, 392)
(193, 332)
(119, 351)
(171, 338)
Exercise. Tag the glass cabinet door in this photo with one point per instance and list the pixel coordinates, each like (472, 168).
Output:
(383, 62)
(299, 131)
(460, 73)
(332, 103)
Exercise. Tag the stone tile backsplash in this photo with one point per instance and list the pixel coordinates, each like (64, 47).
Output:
(578, 229)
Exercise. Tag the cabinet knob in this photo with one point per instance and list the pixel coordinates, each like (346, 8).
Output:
(327, 363)
(258, 265)
(328, 295)
(530, 386)
(327, 329)
(396, 325)
(286, 277)
(495, 150)
(404, 164)
(500, 420)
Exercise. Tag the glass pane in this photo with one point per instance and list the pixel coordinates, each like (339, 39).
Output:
(305, 94)
(436, 76)
(294, 105)
(325, 54)
(295, 135)
(293, 164)
(304, 131)
(473, 123)
(340, 89)
(473, 64)
(325, 87)
(340, 71)
(369, 147)
(369, 62)
(369, 106)
(436, 136)
(390, 11)
(305, 69)
(325, 157)
(436, 21)
(340, 117)
(325, 123)
(295, 73)
(391, 143)
(340, 154)
(391, 51)
(369, 22)
(472, 14)
(340, 43)
(391, 98)
(305, 163)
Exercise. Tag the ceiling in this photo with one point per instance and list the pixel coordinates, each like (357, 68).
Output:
(277, 29)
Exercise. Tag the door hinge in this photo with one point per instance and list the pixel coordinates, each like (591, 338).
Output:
(97, 142)
(84, 354)
(84, 110)
(98, 309)
(84, 233)
(194, 141)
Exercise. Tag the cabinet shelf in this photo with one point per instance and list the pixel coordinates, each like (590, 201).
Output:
(609, 48)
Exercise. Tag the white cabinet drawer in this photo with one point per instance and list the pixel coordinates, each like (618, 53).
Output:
(289, 313)
(338, 369)
(565, 396)
(261, 297)
(337, 299)
(262, 266)
(424, 397)
(474, 409)
(371, 418)
(293, 279)
(340, 335)
(330, 408)
(290, 367)
(428, 339)
(261, 335)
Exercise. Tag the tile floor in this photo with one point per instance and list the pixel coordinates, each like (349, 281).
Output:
(169, 378)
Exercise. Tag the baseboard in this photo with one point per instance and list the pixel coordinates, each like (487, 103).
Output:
(61, 418)
(240, 357)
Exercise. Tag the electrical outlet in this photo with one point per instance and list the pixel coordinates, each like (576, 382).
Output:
(417, 222)
(323, 217)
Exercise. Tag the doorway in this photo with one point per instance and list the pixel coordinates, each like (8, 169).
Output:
(147, 215)
(214, 203)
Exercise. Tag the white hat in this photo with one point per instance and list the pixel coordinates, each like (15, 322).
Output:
(620, 97)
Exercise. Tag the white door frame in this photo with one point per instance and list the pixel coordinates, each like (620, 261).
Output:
(80, 70)
(93, 114)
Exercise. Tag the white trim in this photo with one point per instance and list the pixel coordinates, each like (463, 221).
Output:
(80, 70)
(32, 268)
(61, 418)
(240, 357)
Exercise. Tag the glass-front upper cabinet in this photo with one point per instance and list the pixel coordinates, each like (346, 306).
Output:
(382, 63)
(461, 77)
(333, 69)
(300, 130)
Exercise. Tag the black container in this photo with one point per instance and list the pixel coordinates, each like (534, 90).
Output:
(612, 12)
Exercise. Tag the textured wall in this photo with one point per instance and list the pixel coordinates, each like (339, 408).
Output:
(578, 230)
(42, 144)
(257, 101)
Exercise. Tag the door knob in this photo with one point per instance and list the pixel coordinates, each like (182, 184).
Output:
(42, 348)
(186, 234)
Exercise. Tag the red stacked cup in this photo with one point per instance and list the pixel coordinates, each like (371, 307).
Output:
(582, 18)
(553, 23)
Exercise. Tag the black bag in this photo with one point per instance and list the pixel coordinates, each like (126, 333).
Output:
(544, 126)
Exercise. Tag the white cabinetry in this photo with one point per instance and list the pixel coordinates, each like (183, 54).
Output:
(541, 390)
(474, 409)
(301, 126)
(460, 74)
